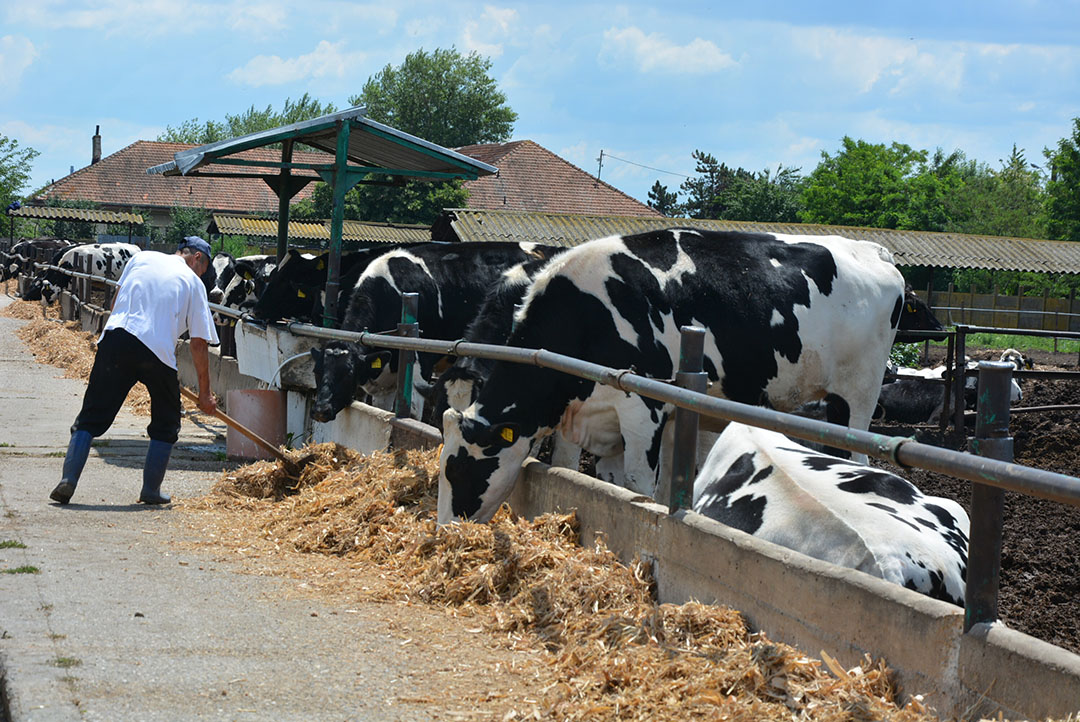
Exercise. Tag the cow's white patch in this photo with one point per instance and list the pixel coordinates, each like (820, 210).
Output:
(775, 263)
(777, 318)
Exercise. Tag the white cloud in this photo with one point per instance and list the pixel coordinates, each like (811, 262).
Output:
(257, 18)
(496, 25)
(146, 17)
(1025, 107)
(654, 52)
(326, 60)
(862, 61)
(16, 55)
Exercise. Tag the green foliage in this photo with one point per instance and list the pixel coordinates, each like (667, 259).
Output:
(661, 200)
(1063, 190)
(25, 569)
(709, 194)
(251, 120)
(1002, 341)
(186, 222)
(765, 198)
(1010, 283)
(864, 184)
(1009, 202)
(15, 162)
(906, 354)
(236, 246)
(11, 544)
(444, 97)
(409, 202)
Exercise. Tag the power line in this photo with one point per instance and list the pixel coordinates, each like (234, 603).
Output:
(640, 165)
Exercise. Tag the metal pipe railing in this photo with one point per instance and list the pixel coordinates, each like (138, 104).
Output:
(901, 451)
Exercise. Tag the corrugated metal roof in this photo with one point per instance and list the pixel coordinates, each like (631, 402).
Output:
(909, 248)
(268, 228)
(320, 230)
(54, 213)
(370, 144)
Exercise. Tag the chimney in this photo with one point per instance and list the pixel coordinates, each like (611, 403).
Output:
(97, 146)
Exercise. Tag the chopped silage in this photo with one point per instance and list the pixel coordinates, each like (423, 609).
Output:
(617, 654)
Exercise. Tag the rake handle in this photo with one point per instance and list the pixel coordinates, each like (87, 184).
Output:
(233, 423)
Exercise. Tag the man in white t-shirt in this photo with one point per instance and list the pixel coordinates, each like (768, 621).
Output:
(159, 298)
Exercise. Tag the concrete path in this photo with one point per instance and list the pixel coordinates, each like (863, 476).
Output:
(116, 624)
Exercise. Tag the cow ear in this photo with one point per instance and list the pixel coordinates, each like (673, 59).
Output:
(504, 435)
(376, 361)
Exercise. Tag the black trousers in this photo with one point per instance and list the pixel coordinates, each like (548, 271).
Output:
(121, 361)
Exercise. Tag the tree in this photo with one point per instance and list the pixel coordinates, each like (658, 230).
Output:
(73, 230)
(661, 200)
(408, 202)
(864, 184)
(251, 120)
(1063, 190)
(1009, 202)
(765, 198)
(186, 222)
(443, 97)
(14, 175)
(710, 193)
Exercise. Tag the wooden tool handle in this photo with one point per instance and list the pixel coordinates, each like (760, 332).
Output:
(233, 423)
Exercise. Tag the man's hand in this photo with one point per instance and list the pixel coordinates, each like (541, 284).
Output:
(206, 402)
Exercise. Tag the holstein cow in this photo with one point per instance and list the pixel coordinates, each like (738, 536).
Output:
(249, 274)
(105, 260)
(788, 320)
(911, 401)
(835, 510)
(297, 287)
(451, 280)
(21, 257)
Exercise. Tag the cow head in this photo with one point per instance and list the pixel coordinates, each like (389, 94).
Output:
(292, 288)
(335, 379)
(917, 316)
(478, 465)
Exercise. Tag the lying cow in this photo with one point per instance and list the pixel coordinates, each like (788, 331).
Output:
(912, 401)
(451, 280)
(103, 260)
(835, 510)
(788, 320)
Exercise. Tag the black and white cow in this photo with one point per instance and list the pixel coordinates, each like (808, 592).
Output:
(297, 287)
(106, 260)
(21, 257)
(451, 280)
(223, 264)
(788, 320)
(913, 401)
(835, 510)
(917, 316)
(248, 279)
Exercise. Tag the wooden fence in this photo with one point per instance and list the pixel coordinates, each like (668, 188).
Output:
(994, 309)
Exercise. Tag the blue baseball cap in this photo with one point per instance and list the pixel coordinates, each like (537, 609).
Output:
(196, 244)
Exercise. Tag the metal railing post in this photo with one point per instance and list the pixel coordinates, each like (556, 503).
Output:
(690, 376)
(960, 378)
(991, 440)
(408, 327)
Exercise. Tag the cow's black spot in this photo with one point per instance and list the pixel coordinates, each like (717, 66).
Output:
(654, 249)
(894, 318)
(944, 518)
(819, 462)
(883, 507)
(761, 475)
(468, 479)
(745, 514)
(888, 486)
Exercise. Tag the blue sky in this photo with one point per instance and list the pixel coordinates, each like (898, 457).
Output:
(755, 84)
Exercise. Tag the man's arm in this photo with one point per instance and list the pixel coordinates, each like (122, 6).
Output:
(201, 357)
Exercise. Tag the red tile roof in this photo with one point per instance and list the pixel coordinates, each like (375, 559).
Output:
(532, 178)
(120, 180)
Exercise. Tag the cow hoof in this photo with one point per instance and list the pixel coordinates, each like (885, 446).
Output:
(63, 492)
(151, 497)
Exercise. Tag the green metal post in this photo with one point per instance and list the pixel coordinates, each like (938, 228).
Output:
(283, 200)
(406, 357)
(337, 222)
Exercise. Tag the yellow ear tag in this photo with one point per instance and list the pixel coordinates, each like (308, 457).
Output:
(321, 265)
(507, 435)
(376, 364)
(247, 276)
(910, 308)
(300, 294)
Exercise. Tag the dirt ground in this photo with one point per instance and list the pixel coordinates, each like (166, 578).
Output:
(1040, 574)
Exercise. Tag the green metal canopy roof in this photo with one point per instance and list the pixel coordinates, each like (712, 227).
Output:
(374, 147)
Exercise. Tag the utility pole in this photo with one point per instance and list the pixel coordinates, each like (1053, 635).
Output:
(601, 159)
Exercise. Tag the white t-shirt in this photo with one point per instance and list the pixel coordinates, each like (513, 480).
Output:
(159, 299)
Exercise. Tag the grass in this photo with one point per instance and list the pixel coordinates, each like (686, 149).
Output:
(11, 544)
(1019, 342)
(56, 454)
(25, 569)
(66, 662)
(6, 445)
(99, 442)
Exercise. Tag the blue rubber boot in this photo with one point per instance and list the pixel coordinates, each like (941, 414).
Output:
(74, 461)
(157, 458)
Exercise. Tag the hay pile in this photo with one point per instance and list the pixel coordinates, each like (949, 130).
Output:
(616, 653)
